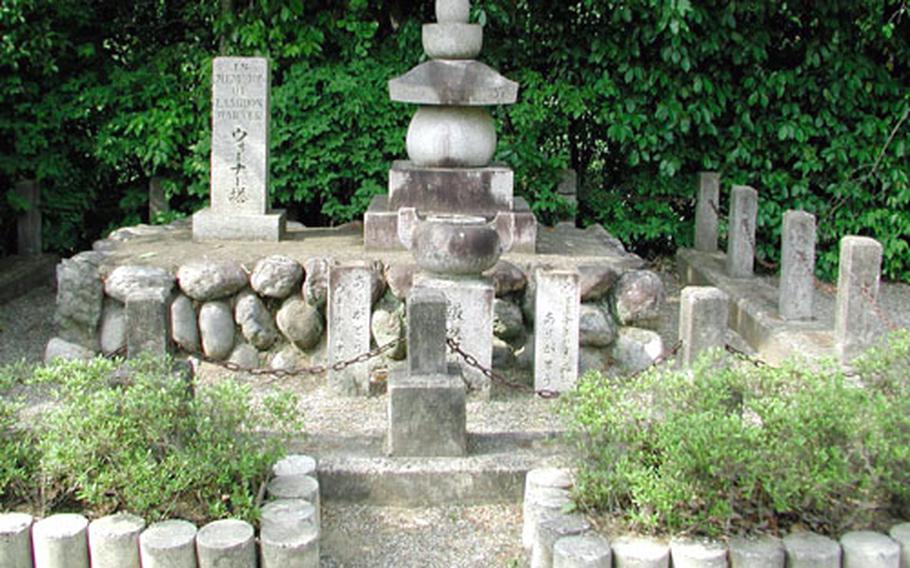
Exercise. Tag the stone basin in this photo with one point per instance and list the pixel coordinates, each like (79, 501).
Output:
(455, 244)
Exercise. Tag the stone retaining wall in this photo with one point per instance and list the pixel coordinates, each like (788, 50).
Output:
(565, 540)
(289, 534)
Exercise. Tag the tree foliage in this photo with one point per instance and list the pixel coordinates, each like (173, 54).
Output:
(806, 102)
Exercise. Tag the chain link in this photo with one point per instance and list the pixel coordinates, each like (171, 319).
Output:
(495, 377)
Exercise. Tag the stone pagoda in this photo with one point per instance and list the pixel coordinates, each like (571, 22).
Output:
(451, 139)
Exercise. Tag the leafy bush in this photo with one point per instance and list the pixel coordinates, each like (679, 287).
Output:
(142, 441)
(17, 464)
(730, 446)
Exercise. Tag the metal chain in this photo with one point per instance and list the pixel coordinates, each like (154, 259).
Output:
(495, 377)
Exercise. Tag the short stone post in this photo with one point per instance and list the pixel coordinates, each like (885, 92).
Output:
(558, 310)
(296, 487)
(427, 411)
(15, 540)
(60, 542)
(588, 551)
(707, 205)
(168, 544)
(348, 317)
(867, 549)
(549, 531)
(289, 535)
(295, 464)
(157, 198)
(546, 489)
(765, 552)
(114, 541)
(703, 315)
(686, 553)
(741, 231)
(901, 535)
(797, 266)
(28, 225)
(857, 295)
(810, 550)
(567, 188)
(640, 553)
(226, 544)
(148, 325)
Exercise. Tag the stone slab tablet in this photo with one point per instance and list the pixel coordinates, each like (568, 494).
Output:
(706, 207)
(741, 231)
(168, 544)
(557, 304)
(114, 541)
(797, 266)
(703, 315)
(15, 540)
(858, 277)
(60, 541)
(228, 543)
(348, 318)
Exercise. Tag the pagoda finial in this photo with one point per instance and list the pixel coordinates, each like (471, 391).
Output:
(453, 11)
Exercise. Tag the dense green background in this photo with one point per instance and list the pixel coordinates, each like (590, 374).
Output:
(806, 101)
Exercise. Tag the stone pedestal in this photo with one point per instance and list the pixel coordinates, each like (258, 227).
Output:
(427, 416)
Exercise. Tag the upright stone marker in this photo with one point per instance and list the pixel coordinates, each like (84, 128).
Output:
(348, 315)
(703, 315)
(240, 155)
(148, 313)
(741, 231)
(857, 295)
(706, 207)
(158, 202)
(557, 301)
(797, 270)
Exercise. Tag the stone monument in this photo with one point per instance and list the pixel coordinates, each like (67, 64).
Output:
(240, 155)
(451, 139)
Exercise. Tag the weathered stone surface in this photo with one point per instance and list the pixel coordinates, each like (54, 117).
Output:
(556, 330)
(508, 322)
(79, 299)
(15, 540)
(867, 549)
(388, 324)
(125, 280)
(631, 552)
(859, 273)
(114, 541)
(453, 82)
(507, 278)
(300, 322)
(551, 530)
(588, 551)
(62, 349)
(290, 358)
(503, 356)
(901, 534)
(289, 535)
(185, 324)
(452, 40)
(546, 489)
(226, 544)
(707, 205)
(481, 191)
(636, 349)
(703, 315)
(766, 552)
(741, 231)
(113, 327)
(255, 321)
(797, 266)
(596, 327)
(206, 280)
(593, 359)
(426, 312)
(637, 297)
(524, 355)
(276, 276)
(168, 544)
(810, 550)
(348, 315)
(316, 285)
(60, 541)
(245, 355)
(687, 553)
(595, 280)
(399, 277)
(297, 487)
(148, 328)
(216, 326)
(295, 464)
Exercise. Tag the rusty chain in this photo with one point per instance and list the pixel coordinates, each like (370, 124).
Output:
(495, 377)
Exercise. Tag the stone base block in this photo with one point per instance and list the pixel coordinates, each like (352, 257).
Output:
(426, 416)
(209, 225)
(472, 191)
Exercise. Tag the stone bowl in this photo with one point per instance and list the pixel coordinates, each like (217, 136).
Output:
(455, 244)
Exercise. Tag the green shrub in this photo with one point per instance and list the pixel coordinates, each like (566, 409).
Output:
(142, 441)
(730, 446)
(17, 463)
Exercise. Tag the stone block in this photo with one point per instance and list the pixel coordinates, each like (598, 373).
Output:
(15, 540)
(901, 534)
(114, 541)
(380, 226)
(857, 308)
(348, 315)
(216, 329)
(452, 40)
(289, 535)
(483, 190)
(640, 553)
(703, 315)
(469, 321)
(148, 328)
(549, 531)
(62, 349)
(28, 223)
(79, 299)
(867, 549)
(810, 550)
(227, 543)
(426, 332)
(427, 416)
(168, 544)
(557, 301)
(765, 552)
(60, 541)
(741, 231)
(209, 225)
(797, 266)
(687, 553)
(707, 204)
(588, 551)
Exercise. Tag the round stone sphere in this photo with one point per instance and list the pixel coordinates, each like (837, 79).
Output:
(446, 137)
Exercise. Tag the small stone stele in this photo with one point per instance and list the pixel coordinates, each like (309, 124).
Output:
(558, 300)
(741, 232)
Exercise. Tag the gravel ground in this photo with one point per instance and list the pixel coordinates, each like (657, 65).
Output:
(26, 325)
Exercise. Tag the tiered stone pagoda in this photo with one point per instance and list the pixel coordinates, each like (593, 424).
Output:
(451, 139)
